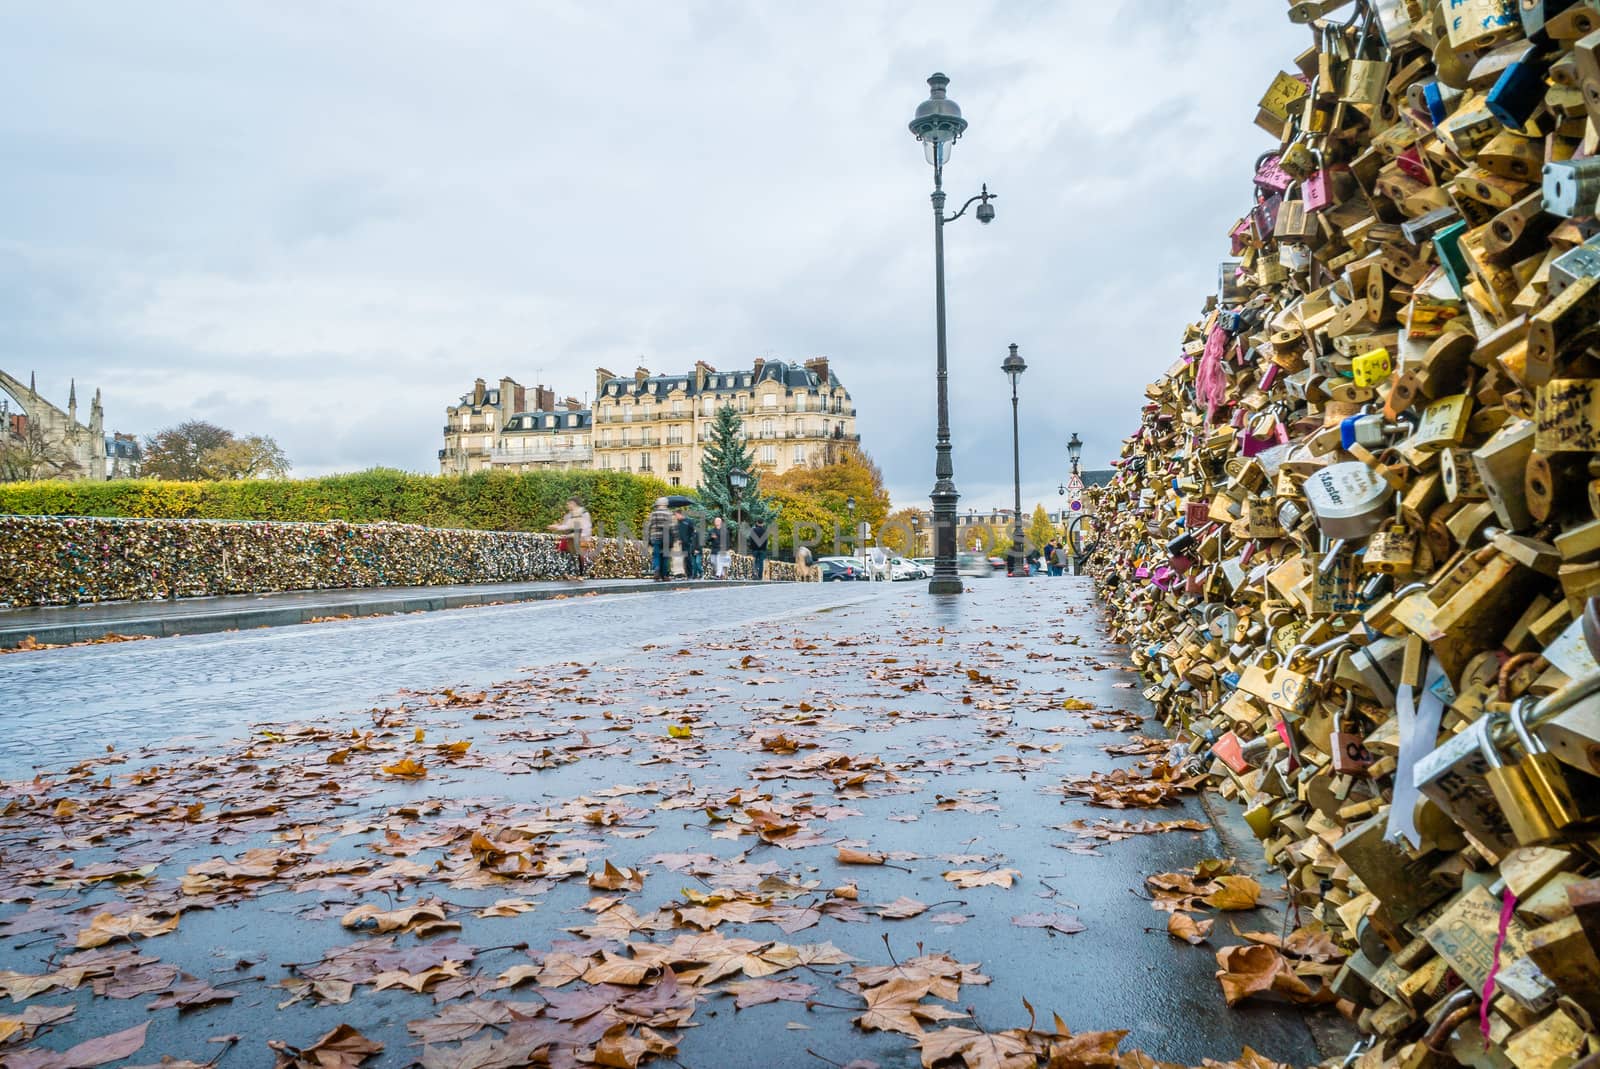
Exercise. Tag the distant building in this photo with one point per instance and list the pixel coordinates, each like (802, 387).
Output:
(793, 415)
(124, 457)
(40, 441)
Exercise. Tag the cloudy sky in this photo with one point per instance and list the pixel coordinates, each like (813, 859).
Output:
(321, 221)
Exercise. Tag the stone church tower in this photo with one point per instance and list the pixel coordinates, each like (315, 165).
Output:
(71, 449)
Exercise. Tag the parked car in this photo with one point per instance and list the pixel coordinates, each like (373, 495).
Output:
(926, 563)
(848, 568)
(901, 569)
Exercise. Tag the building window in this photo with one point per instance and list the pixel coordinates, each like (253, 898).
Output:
(572, 421)
(675, 460)
(677, 408)
(605, 461)
(769, 454)
(770, 401)
(710, 405)
(627, 414)
(744, 404)
(676, 481)
(644, 461)
(766, 428)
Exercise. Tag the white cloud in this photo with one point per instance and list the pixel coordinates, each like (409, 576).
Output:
(322, 222)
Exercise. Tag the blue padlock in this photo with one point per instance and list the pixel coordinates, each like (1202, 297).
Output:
(1519, 90)
(1434, 96)
(1347, 431)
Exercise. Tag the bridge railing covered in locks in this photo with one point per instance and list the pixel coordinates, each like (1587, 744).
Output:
(65, 560)
(1355, 539)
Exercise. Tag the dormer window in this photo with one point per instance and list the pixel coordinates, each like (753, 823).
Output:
(572, 421)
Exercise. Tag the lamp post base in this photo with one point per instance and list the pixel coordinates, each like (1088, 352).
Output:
(943, 584)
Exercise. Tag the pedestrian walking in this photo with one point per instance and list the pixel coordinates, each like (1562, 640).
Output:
(577, 529)
(680, 549)
(658, 531)
(719, 546)
(685, 532)
(1052, 558)
(758, 547)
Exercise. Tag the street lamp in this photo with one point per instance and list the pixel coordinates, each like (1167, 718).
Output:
(1074, 451)
(738, 479)
(1014, 366)
(938, 124)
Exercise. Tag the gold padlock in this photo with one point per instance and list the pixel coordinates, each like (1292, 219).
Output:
(1529, 823)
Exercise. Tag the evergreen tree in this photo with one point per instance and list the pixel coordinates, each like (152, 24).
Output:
(725, 451)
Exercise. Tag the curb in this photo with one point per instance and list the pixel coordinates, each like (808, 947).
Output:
(200, 621)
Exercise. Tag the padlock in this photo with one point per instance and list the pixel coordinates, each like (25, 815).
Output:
(1543, 773)
(1347, 747)
(1529, 822)
(1519, 90)
(1571, 187)
(1453, 775)
(1348, 500)
(1392, 551)
(1366, 75)
(1371, 368)
(1578, 262)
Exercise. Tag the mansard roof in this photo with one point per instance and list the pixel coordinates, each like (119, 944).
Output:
(790, 376)
(534, 421)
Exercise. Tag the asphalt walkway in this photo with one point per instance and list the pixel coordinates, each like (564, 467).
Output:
(787, 794)
(60, 625)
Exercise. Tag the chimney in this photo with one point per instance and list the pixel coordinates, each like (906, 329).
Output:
(573, 404)
(702, 372)
(761, 362)
(544, 399)
(640, 374)
(477, 393)
(511, 396)
(600, 377)
(819, 364)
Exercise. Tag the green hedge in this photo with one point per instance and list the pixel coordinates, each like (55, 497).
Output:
(488, 501)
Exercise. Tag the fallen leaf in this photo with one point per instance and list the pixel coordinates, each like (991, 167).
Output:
(902, 908)
(342, 1048)
(1236, 892)
(1065, 923)
(1182, 926)
(749, 993)
(969, 878)
(406, 768)
(848, 856)
(108, 926)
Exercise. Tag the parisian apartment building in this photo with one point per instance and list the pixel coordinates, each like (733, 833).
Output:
(793, 415)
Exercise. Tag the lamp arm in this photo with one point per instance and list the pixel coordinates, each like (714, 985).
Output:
(964, 207)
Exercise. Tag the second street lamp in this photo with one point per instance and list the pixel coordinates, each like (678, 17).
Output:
(1014, 366)
(938, 124)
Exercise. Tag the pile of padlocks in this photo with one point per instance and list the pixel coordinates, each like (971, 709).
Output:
(63, 560)
(1354, 544)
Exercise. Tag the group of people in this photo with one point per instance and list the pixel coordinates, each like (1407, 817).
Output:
(1054, 558)
(677, 551)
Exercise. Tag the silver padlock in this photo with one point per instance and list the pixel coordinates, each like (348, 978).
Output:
(1571, 187)
(1455, 774)
(1348, 499)
(1580, 261)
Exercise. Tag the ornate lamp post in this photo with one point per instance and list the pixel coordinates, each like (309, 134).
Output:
(1074, 451)
(938, 124)
(738, 479)
(1014, 366)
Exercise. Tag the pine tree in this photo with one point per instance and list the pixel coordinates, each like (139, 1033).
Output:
(725, 451)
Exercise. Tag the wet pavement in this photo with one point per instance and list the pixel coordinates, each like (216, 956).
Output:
(644, 731)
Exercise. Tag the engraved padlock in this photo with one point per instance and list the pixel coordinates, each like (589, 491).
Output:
(1348, 499)
(1453, 775)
